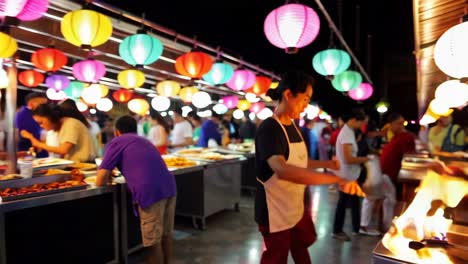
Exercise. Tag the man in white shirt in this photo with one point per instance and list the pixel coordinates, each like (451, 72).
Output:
(182, 134)
(350, 168)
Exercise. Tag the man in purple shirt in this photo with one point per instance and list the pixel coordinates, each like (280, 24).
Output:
(210, 130)
(152, 186)
(25, 121)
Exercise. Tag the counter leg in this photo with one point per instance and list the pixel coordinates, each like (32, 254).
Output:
(2, 239)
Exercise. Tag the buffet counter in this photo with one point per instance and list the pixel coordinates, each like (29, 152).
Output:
(60, 226)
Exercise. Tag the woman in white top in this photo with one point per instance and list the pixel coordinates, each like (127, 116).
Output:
(159, 133)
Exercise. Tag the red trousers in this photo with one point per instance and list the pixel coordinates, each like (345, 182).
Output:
(296, 239)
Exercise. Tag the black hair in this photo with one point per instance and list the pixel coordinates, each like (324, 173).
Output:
(126, 124)
(355, 113)
(178, 111)
(216, 115)
(393, 117)
(161, 121)
(69, 109)
(194, 116)
(295, 81)
(33, 95)
(49, 111)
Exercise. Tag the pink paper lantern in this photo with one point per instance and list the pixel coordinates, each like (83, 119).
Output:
(25, 10)
(363, 92)
(257, 107)
(230, 101)
(241, 80)
(291, 26)
(89, 70)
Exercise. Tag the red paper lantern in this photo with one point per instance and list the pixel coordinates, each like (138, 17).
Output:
(122, 95)
(262, 84)
(49, 59)
(30, 78)
(194, 64)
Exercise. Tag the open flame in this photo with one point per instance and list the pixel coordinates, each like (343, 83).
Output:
(415, 224)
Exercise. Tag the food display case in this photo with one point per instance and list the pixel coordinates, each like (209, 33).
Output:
(433, 227)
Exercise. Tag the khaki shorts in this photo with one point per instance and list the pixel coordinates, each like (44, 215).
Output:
(157, 220)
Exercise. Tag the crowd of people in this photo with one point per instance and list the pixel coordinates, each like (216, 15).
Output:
(288, 159)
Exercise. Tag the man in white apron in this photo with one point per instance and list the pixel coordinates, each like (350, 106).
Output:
(283, 171)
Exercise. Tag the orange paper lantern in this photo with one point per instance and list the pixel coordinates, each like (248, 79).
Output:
(262, 83)
(30, 78)
(194, 64)
(122, 95)
(49, 59)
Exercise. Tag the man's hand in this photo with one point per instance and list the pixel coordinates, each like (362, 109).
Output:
(440, 168)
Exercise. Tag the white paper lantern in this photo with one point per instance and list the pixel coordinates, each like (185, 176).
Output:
(4, 81)
(451, 53)
(104, 104)
(206, 113)
(92, 111)
(220, 109)
(312, 111)
(252, 116)
(160, 103)
(265, 113)
(92, 94)
(238, 114)
(55, 95)
(201, 99)
(452, 93)
(81, 106)
(185, 110)
(426, 120)
(251, 97)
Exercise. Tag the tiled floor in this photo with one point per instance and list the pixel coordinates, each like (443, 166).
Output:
(232, 237)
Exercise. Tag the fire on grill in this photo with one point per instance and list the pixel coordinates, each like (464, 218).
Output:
(420, 234)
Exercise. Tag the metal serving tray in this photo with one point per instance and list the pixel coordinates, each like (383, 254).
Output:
(43, 193)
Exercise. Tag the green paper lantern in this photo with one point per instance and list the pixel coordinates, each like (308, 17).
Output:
(140, 49)
(331, 62)
(74, 89)
(347, 81)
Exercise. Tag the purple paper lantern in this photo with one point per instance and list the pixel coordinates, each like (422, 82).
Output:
(57, 82)
(241, 80)
(25, 10)
(291, 26)
(89, 70)
(230, 101)
(363, 92)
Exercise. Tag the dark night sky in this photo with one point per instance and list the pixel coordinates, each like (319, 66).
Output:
(385, 40)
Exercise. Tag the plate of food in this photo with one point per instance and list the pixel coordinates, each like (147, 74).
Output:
(176, 162)
(83, 166)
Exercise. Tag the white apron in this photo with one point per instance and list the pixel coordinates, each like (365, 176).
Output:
(285, 199)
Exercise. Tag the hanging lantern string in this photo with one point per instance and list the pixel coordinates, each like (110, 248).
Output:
(195, 44)
(143, 16)
(218, 53)
(342, 40)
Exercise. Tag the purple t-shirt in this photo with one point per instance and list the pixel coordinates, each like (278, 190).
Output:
(145, 172)
(25, 121)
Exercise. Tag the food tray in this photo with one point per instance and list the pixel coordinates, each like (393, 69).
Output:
(43, 193)
(416, 163)
(47, 163)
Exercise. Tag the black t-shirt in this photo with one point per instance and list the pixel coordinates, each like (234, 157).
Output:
(269, 141)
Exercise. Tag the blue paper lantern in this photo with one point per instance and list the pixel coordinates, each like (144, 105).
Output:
(140, 49)
(220, 73)
(331, 62)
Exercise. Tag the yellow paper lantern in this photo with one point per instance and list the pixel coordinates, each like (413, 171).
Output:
(86, 28)
(243, 105)
(439, 108)
(8, 46)
(131, 78)
(168, 88)
(139, 106)
(274, 85)
(187, 93)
